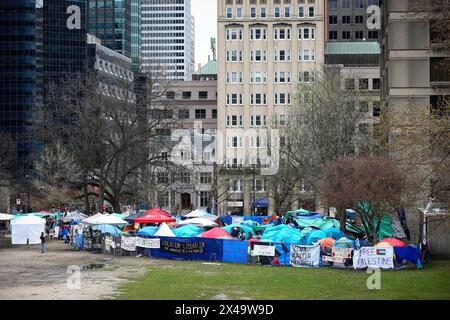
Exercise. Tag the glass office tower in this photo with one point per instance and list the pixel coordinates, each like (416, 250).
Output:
(117, 24)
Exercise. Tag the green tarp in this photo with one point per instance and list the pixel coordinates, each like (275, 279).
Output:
(321, 224)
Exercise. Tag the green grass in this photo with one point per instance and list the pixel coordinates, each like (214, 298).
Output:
(198, 281)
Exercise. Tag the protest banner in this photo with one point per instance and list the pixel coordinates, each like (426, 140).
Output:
(148, 243)
(305, 256)
(368, 257)
(129, 243)
(266, 251)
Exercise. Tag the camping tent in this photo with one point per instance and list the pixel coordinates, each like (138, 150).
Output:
(71, 216)
(188, 231)
(216, 233)
(196, 214)
(5, 217)
(147, 232)
(198, 222)
(164, 231)
(27, 228)
(154, 217)
(106, 228)
(104, 219)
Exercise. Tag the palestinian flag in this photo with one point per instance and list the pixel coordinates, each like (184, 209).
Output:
(381, 252)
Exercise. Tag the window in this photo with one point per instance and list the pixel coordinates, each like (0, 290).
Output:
(252, 12)
(162, 177)
(263, 13)
(311, 12)
(258, 77)
(287, 12)
(235, 185)
(359, 19)
(214, 113)
(277, 12)
(346, 35)
(185, 177)
(257, 121)
(332, 19)
(234, 77)
(363, 84)
(282, 34)
(333, 35)
(373, 34)
(234, 34)
(163, 198)
(332, 4)
(376, 84)
(204, 198)
(359, 35)
(359, 4)
(187, 95)
(170, 95)
(346, 4)
(202, 95)
(364, 106)
(239, 13)
(258, 99)
(346, 19)
(258, 55)
(200, 113)
(308, 55)
(229, 13)
(183, 114)
(376, 108)
(301, 12)
(258, 34)
(205, 177)
(305, 76)
(233, 98)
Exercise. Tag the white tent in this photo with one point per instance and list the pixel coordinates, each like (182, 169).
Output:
(196, 214)
(104, 219)
(27, 228)
(74, 216)
(6, 217)
(164, 231)
(198, 222)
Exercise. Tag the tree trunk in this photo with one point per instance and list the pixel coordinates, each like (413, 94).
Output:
(101, 197)
(86, 196)
(342, 218)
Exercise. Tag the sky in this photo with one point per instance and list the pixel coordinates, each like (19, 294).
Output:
(205, 13)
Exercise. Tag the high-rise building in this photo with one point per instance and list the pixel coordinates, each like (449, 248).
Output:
(18, 72)
(117, 24)
(266, 48)
(346, 20)
(413, 75)
(168, 38)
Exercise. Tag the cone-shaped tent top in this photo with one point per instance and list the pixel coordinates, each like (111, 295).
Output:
(157, 211)
(196, 214)
(198, 222)
(216, 233)
(155, 218)
(164, 231)
(104, 219)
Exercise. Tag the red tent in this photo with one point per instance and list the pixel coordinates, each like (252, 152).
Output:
(157, 211)
(155, 218)
(394, 242)
(216, 233)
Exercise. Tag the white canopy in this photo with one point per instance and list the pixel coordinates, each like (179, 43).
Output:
(74, 216)
(104, 219)
(198, 222)
(164, 231)
(27, 228)
(196, 214)
(4, 216)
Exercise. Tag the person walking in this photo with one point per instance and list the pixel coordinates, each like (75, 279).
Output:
(42, 242)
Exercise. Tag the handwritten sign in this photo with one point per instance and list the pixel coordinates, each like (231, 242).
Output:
(266, 251)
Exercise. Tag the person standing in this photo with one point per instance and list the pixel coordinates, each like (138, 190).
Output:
(42, 242)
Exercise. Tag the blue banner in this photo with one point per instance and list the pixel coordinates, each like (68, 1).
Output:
(189, 249)
(235, 251)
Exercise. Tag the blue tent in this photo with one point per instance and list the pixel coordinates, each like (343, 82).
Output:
(315, 236)
(108, 229)
(282, 233)
(245, 228)
(147, 231)
(188, 231)
(334, 233)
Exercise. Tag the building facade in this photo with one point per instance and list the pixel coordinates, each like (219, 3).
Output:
(411, 75)
(117, 24)
(265, 49)
(168, 41)
(346, 20)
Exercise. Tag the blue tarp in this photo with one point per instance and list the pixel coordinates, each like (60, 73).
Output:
(410, 253)
(235, 251)
(108, 229)
(246, 229)
(79, 240)
(147, 231)
(227, 220)
(334, 233)
(187, 231)
(259, 219)
(282, 233)
(189, 249)
(314, 237)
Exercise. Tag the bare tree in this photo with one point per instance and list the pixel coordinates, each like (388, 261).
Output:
(8, 156)
(113, 128)
(372, 186)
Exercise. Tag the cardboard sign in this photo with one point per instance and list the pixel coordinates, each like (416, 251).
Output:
(368, 257)
(266, 251)
(341, 254)
(148, 243)
(108, 243)
(305, 256)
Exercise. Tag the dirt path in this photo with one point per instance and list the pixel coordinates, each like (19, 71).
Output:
(25, 273)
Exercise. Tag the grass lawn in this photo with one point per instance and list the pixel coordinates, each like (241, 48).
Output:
(199, 281)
